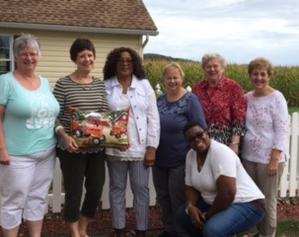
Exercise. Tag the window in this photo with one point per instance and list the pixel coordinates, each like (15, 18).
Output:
(6, 57)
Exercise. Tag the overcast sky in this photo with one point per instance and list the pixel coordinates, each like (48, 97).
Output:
(240, 30)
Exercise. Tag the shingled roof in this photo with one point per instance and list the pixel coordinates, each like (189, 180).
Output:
(119, 16)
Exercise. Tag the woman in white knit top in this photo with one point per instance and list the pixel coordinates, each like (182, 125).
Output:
(265, 145)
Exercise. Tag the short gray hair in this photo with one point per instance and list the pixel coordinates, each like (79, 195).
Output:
(210, 56)
(26, 41)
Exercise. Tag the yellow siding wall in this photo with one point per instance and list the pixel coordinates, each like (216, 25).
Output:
(55, 61)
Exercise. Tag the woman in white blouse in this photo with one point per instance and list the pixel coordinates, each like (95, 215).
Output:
(127, 89)
(265, 145)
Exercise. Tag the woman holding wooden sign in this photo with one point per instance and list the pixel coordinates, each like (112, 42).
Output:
(83, 92)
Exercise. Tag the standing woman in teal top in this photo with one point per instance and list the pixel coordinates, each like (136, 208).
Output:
(27, 143)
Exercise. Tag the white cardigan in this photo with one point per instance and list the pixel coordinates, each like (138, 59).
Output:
(143, 105)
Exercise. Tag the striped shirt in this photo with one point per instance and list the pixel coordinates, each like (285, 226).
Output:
(84, 97)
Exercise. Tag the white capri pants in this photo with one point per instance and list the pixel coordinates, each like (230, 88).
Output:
(24, 186)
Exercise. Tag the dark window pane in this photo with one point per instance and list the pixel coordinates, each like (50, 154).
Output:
(4, 47)
(4, 67)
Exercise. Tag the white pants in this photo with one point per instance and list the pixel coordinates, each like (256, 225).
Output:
(24, 186)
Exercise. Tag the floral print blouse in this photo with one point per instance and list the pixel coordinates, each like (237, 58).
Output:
(224, 106)
(267, 126)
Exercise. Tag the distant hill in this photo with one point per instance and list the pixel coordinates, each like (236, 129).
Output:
(163, 57)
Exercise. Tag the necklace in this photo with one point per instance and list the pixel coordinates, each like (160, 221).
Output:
(177, 96)
(125, 83)
(30, 82)
(85, 83)
(200, 162)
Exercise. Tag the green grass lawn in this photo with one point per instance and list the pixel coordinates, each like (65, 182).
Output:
(288, 229)
(285, 229)
(293, 109)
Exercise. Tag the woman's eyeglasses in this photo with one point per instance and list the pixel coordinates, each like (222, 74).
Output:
(123, 62)
(198, 135)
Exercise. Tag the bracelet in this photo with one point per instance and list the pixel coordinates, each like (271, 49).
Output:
(58, 128)
(187, 211)
(187, 208)
(235, 143)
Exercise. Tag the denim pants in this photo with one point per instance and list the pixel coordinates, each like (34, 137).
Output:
(235, 219)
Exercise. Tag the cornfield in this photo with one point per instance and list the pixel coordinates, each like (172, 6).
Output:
(285, 79)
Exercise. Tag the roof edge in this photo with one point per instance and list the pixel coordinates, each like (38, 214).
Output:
(77, 29)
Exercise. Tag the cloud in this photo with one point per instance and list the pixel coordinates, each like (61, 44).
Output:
(253, 26)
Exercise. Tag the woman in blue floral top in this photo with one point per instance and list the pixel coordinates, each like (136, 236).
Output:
(176, 108)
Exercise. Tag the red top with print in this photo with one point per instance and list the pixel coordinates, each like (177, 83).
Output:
(224, 106)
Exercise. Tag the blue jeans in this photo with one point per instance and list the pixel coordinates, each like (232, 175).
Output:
(235, 219)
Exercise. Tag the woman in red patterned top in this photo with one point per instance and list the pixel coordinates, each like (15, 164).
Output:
(223, 102)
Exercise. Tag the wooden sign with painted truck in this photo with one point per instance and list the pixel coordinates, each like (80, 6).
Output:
(105, 129)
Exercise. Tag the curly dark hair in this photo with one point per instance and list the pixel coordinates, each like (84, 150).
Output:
(80, 45)
(110, 68)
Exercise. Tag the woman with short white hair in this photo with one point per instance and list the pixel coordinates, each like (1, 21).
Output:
(223, 102)
(27, 143)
